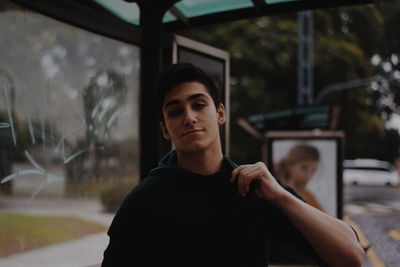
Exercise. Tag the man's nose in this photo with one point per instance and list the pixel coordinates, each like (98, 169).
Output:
(189, 117)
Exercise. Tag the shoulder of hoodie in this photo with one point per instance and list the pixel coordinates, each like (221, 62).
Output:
(157, 184)
(151, 187)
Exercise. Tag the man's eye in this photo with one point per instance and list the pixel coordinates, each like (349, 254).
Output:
(199, 105)
(174, 112)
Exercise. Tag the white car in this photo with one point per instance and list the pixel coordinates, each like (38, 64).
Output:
(369, 172)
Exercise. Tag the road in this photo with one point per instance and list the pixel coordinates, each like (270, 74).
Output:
(376, 210)
(354, 193)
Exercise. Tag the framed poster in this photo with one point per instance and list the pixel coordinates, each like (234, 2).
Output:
(311, 163)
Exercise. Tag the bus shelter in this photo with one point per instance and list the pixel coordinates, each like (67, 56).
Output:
(150, 24)
(77, 110)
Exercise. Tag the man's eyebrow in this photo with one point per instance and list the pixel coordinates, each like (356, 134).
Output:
(171, 103)
(195, 96)
(190, 98)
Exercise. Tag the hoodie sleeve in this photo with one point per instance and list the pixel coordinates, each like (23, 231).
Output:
(287, 245)
(127, 244)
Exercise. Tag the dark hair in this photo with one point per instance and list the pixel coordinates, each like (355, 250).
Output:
(179, 73)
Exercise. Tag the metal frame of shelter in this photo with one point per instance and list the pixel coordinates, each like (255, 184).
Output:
(151, 35)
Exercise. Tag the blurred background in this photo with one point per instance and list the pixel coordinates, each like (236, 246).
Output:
(69, 120)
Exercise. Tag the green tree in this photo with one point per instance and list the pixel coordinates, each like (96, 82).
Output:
(264, 72)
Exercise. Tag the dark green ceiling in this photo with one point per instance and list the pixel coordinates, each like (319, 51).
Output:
(187, 13)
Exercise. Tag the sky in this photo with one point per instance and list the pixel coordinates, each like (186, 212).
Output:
(394, 122)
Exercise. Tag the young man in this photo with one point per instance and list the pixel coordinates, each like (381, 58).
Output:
(198, 208)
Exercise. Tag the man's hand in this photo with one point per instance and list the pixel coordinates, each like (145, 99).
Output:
(333, 240)
(256, 175)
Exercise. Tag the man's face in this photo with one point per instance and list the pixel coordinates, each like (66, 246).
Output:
(191, 120)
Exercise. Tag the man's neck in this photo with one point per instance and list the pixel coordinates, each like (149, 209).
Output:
(205, 162)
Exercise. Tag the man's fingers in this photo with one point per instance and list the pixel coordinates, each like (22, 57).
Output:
(234, 175)
(237, 171)
(244, 180)
(242, 185)
(249, 170)
(257, 174)
(246, 174)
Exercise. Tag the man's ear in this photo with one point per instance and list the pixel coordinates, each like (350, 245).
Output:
(164, 130)
(221, 114)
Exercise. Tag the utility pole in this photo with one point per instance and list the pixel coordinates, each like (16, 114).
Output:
(305, 59)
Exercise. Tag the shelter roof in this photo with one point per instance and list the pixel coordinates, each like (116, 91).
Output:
(192, 13)
(116, 18)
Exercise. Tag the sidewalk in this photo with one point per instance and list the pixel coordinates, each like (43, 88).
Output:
(88, 251)
(380, 230)
(84, 252)
(371, 258)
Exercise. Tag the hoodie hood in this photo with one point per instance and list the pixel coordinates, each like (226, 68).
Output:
(169, 163)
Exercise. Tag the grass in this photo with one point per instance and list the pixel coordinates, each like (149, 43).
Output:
(94, 189)
(19, 232)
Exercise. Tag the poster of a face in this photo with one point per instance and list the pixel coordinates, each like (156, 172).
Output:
(309, 167)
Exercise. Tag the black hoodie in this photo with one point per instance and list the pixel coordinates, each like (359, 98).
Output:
(179, 218)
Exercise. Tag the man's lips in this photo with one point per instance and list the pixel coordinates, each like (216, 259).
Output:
(191, 131)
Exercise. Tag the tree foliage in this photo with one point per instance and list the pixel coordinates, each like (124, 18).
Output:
(264, 72)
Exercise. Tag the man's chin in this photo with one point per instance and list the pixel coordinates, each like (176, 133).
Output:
(193, 148)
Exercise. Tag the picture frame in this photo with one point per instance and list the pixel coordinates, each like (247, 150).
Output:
(325, 186)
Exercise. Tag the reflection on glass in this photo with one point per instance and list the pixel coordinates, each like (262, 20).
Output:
(68, 130)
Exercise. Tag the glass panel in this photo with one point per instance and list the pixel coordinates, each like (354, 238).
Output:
(127, 11)
(168, 17)
(68, 138)
(271, 2)
(193, 8)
